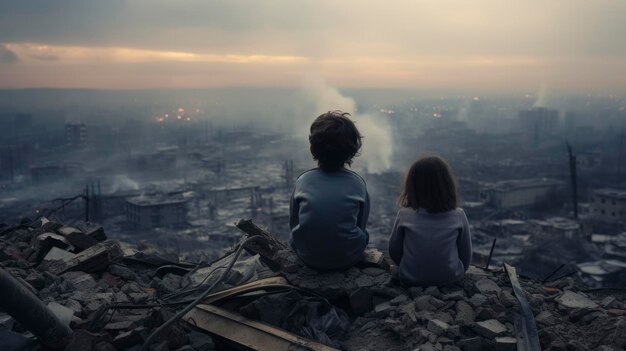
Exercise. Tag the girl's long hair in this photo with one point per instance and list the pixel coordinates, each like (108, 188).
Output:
(429, 184)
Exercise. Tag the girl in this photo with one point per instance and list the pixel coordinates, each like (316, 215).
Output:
(430, 241)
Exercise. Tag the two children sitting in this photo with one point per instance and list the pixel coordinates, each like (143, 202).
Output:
(430, 240)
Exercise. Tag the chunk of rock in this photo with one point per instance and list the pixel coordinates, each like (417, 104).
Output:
(471, 344)
(383, 309)
(399, 300)
(360, 300)
(63, 313)
(454, 295)
(487, 286)
(489, 328)
(122, 272)
(478, 300)
(464, 313)
(80, 280)
(438, 327)
(506, 343)
(573, 300)
(546, 318)
(422, 303)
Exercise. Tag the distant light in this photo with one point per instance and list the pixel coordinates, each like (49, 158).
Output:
(166, 115)
(189, 118)
(181, 110)
(179, 117)
(160, 119)
(476, 98)
(197, 110)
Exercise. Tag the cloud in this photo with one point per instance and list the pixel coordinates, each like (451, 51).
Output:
(6, 55)
(44, 57)
(396, 43)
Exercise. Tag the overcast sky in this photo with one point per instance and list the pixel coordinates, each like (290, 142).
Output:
(491, 45)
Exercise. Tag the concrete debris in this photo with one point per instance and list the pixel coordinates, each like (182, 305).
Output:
(488, 286)
(573, 300)
(490, 328)
(114, 303)
(506, 343)
(438, 327)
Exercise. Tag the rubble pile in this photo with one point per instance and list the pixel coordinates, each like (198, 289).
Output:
(111, 302)
(475, 314)
(112, 299)
(478, 315)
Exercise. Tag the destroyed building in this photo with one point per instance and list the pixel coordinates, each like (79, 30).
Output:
(156, 211)
(88, 293)
(519, 193)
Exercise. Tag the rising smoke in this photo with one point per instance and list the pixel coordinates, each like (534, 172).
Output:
(541, 96)
(377, 143)
(121, 182)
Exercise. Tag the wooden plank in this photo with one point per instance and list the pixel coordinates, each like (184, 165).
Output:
(268, 283)
(525, 327)
(246, 332)
(267, 248)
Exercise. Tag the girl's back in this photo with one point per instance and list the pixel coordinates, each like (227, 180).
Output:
(430, 241)
(430, 248)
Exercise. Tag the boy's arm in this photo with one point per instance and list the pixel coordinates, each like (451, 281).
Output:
(294, 210)
(464, 242)
(364, 213)
(396, 241)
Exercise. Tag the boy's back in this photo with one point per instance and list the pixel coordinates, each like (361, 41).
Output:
(328, 216)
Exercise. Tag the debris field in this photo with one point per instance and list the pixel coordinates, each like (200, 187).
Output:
(102, 297)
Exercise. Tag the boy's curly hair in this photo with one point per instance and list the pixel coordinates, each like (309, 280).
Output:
(334, 140)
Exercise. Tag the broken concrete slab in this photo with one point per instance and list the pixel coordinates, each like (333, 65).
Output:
(80, 280)
(471, 344)
(80, 240)
(490, 328)
(122, 272)
(383, 309)
(56, 254)
(423, 303)
(506, 343)
(63, 313)
(399, 300)
(438, 327)
(94, 259)
(464, 313)
(573, 300)
(546, 318)
(478, 300)
(487, 286)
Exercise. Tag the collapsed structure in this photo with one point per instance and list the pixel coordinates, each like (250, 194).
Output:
(91, 294)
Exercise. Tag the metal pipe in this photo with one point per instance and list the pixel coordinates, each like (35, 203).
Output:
(19, 302)
(553, 273)
(493, 245)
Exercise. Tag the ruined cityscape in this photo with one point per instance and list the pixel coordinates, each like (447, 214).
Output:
(544, 186)
(312, 175)
(173, 185)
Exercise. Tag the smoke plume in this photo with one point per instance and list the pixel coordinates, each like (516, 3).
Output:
(377, 144)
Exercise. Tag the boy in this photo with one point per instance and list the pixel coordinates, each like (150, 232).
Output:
(330, 204)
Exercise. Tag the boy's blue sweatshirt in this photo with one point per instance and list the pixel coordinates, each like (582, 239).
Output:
(327, 216)
(430, 248)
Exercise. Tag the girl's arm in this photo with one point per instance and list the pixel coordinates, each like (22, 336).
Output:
(464, 242)
(396, 241)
